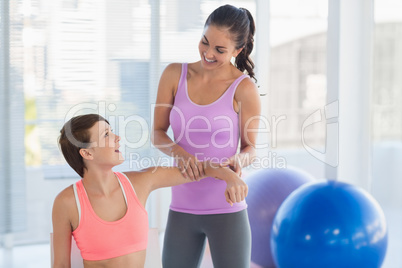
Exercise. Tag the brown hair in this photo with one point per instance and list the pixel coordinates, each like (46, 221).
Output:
(75, 136)
(240, 24)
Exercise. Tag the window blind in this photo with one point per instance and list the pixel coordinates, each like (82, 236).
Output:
(12, 175)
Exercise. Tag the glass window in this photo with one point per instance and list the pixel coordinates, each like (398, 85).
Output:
(298, 37)
(386, 121)
(82, 56)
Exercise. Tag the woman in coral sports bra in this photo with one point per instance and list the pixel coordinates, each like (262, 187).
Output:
(105, 210)
(212, 106)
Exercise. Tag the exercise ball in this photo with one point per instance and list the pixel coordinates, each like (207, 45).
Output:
(267, 190)
(329, 224)
(254, 265)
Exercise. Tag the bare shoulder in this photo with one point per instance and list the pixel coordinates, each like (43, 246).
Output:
(142, 183)
(65, 210)
(136, 175)
(140, 179)
(148, 179)
(172, 71)
(65, 199)
(169, 82)
(247, 90)
(173, 67)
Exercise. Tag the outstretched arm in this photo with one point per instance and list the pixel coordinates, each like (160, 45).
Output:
(154, 178)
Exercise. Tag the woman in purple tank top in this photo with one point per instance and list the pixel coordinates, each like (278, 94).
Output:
(212, 107)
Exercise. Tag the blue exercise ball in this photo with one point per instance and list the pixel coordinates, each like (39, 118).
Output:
(329, 224)
(268, 188)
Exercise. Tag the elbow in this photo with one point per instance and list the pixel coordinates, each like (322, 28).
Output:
(154, 136)
(62, 261)
(61, 265)
(252, 159)
(249, 156)
(253, 155)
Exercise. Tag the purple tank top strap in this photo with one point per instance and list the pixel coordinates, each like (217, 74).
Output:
(232, 89)
(228, 96)
(181, 88)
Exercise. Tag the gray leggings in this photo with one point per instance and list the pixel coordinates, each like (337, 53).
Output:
(229, 239)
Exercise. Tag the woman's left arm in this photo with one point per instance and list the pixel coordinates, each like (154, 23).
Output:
(249, 109)
(150, 179)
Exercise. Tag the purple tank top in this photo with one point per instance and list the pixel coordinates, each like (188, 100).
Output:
(211, 133)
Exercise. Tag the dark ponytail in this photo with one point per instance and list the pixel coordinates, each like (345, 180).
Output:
(243, 60)
(240, 24)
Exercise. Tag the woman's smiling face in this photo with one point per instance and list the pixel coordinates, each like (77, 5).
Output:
(216, 48)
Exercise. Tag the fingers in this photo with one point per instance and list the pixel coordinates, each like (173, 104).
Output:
(192, 170)
(233, 163)
(225, 163)
(200, 167)
(245, 191)
(240, 196)
(189, 173)
(184, 172)
(228, 198)
(236, 194)
(237, 170)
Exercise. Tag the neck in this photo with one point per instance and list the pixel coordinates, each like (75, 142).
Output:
(219, 72)
(99, 181)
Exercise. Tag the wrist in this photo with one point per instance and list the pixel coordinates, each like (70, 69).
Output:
(215, 170)
(245, 157)
(176, 150)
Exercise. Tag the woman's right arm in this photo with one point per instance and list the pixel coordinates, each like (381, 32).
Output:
(187, 163)
(62, 229)
(164, 103)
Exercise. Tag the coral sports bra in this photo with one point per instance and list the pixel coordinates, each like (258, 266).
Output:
(100, 240)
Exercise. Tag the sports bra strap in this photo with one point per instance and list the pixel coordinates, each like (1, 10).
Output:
(128, 181)
(77, 201)
(122, 189)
